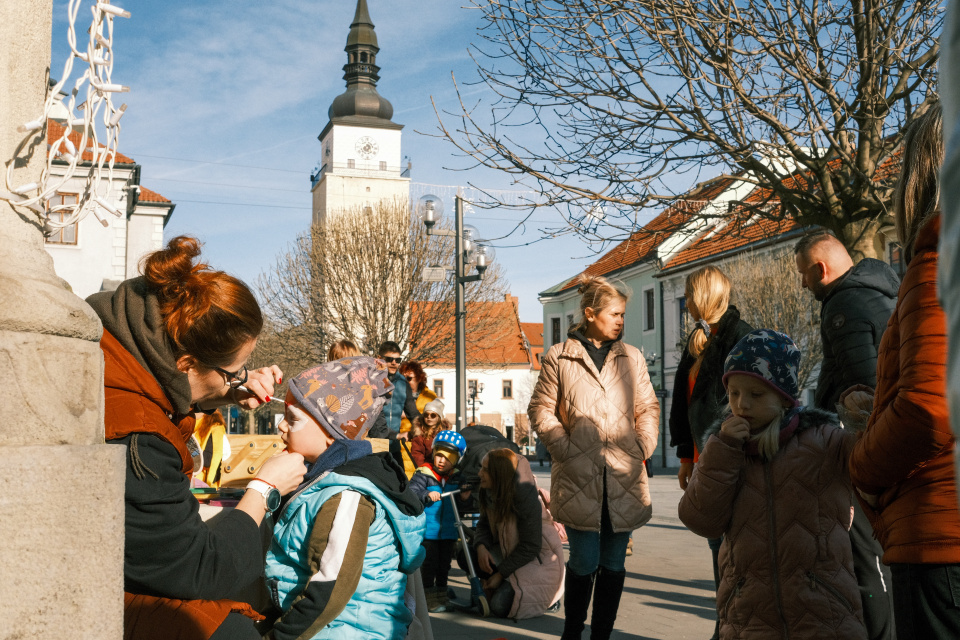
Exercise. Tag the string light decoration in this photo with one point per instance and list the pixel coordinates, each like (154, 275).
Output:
(96, 107)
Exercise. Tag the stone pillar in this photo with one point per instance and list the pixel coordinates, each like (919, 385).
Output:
(61, 487)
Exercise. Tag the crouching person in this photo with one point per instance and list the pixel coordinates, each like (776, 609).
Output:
(773, 481)
(517, 547)
(348, 537)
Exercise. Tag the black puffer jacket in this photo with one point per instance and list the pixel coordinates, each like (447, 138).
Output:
(852, 321)
(689, 422)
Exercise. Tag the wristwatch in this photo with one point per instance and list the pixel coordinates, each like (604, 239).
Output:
(271, 495)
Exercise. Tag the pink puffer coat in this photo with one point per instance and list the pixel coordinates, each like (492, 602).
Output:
(594, 421)
(786, 569)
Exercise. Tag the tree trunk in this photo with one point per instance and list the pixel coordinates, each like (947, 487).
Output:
(862, 239)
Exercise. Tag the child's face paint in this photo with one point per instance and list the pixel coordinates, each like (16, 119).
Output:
(301, 433)
(754, 401)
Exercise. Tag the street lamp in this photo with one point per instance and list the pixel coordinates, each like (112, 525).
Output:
(475, 390)
(468, 250)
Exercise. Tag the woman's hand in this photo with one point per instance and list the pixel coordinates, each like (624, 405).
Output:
(260, 387)
(686, 470)
(492, 583)
(485, 559)
(736, 429)
(284, 471)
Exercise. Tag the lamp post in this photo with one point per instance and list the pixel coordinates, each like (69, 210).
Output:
(468, 249)
(475, 390)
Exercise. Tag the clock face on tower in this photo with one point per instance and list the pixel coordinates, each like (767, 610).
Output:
(367, 147)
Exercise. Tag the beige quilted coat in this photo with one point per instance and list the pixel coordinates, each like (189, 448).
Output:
(591, 422)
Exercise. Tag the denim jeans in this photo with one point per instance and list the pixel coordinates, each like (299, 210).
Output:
(926, 601)
(592, 549)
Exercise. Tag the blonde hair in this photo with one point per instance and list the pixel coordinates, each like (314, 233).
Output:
(342, 349)
(768, 440)
(597, 293)
(916, 197)
(709, 290)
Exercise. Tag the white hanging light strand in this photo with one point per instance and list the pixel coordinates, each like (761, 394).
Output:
(96, 85)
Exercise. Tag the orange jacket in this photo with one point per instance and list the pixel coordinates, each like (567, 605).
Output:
(905, 456)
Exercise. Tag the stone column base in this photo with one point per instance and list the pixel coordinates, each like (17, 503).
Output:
(61, 517)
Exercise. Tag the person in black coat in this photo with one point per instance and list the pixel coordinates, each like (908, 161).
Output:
(698, 393)
(857, 303)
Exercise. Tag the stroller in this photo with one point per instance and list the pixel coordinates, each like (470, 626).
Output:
(481, 439)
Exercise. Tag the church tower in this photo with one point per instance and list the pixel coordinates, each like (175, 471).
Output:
(360, 162)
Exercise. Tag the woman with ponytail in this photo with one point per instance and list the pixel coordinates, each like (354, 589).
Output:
(698, 392)
(176, 342)
(597, 413)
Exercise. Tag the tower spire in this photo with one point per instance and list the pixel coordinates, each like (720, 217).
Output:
(361, 72)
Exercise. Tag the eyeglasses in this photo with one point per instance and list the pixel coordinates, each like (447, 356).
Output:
(391, 360)
(411, 379)
(234, 378)
(431, 415)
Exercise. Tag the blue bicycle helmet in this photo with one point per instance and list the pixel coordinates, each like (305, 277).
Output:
(451, 445)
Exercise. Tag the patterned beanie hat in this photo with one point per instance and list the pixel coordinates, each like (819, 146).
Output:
(345, 396)
(769, 356)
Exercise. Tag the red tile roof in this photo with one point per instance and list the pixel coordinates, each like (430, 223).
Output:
(643, 243)
(146, 195)
(534, 333)
(493, 335)
(55, 132)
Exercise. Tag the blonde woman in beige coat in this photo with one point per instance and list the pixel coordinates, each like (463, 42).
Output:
(595, 410)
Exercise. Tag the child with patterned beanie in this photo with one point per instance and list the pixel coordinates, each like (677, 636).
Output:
(429, 483)
(773, 481)
(347, 538)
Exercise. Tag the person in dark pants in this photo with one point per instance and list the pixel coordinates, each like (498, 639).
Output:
(857, 301)
(902, 465)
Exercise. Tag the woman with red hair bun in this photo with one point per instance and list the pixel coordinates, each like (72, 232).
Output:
(176, 341)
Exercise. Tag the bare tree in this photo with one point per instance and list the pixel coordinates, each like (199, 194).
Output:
(359, 276)
(767, 291)
(607, 107)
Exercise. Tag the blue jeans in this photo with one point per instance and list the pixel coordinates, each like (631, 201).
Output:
(592, 549)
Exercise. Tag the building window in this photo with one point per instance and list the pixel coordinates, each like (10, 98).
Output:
(682, 312)
(383, 165)
(895, 254)
(62, 235)
(648, 310)
(438, 388)
(351, 164)
(554, 331)
(508, 389)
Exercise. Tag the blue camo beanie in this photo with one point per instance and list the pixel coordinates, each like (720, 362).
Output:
(769, 356)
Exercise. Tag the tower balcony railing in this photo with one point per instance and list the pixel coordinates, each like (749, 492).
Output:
(355, 170)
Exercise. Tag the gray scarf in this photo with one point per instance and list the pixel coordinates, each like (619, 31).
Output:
(132, 315)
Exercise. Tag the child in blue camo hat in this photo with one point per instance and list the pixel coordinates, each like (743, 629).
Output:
(773, 481)
(347, 538)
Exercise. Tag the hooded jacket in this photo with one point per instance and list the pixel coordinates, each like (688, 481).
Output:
(905, 456)
(786, 567)
(689, 421)
(852, 320)
(178, 573)
(343, 546)
(599, 427)
(441, 523)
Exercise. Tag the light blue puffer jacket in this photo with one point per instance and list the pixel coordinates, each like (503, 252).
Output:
(377, 608)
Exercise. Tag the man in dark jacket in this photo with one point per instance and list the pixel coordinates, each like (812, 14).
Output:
(857, 303)
(402, 401)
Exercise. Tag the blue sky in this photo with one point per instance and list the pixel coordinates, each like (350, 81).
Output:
(227, 99)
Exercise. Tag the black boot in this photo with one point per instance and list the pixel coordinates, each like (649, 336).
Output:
(576, 598)
(606, 602)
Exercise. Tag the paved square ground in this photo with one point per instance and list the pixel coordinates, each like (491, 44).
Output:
(668, 593)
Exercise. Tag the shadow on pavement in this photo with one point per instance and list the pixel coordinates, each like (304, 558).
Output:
(703, 585)
(660, 525)
(706, 614)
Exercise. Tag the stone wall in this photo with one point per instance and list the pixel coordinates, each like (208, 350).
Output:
(61, 487)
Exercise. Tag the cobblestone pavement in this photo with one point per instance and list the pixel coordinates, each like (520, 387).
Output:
(668, 593)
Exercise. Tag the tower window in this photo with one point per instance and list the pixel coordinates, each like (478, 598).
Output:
(383, 165)
(368, 189)
(363, 56)
(351, 163)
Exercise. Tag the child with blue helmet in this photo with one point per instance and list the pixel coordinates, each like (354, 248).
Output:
(428, 483)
